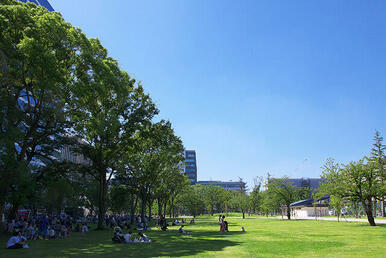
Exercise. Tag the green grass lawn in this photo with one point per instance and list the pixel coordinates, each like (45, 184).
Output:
(264, 237)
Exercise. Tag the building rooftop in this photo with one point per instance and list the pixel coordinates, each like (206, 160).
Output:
(43, 3)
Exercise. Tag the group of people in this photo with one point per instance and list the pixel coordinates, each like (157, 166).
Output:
(119, 237)
(42, 227)
(223, 223)
(125, 221)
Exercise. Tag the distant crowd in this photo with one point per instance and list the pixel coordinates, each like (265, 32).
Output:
(49, 227)
(43, 227)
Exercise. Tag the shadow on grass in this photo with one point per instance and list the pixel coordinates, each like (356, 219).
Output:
(171, 247)
(367, 225)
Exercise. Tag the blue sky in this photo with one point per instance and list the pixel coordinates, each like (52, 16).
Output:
(253, 86)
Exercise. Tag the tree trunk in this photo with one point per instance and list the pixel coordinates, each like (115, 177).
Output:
(159, 207)
(101, 199)
(132, 209)
(170, 210)
(2, 211)
(288, 211)
(150, 206)
(355, 209)
(172, 207)
(369, 211)
(143, 208)
(243, 214)
(165, 209)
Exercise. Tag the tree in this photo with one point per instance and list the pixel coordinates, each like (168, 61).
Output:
(107, 108)
(214, 197)
(241, 201)
(155, 153)
(191, 200)
(284, 193)
(378, 157)
(172, 181)
(256, 196)
(37, 50)
(360, 180)
(332, 186)
(119, 198)
(269, 203)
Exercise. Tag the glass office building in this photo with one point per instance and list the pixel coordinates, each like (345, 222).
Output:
(43, 3)
(191, 165)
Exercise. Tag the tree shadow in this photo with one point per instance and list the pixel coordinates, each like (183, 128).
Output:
(367, 225)
(172, 247)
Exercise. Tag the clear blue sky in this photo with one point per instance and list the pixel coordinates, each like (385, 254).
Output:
(253, 86)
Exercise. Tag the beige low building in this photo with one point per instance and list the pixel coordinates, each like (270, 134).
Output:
(307, 208)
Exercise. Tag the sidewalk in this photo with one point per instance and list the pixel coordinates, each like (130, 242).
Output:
(342, 219)
(377, 221)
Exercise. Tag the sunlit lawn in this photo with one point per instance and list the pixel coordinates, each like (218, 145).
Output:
(264, 237)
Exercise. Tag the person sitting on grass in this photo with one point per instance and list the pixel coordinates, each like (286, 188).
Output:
(51, 232)
(164, 227)
(118, 237)
(192, 221)
(84, 228)
(116, 229)
(30, 231)
(182, 231)
(127, 236)
(17, 241)
(143, 238)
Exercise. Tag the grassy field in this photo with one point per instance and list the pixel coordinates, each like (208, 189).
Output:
(264, 238)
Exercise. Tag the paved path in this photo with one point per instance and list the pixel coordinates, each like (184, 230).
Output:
(377, 221)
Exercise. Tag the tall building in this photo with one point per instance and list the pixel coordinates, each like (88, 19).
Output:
(43, 3)
(191, 165)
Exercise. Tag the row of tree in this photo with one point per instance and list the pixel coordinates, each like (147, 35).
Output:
(60, 89)
(357, 185)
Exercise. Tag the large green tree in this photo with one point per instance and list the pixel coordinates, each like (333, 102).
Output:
(107, 109)
(37, 57)
(363, 180)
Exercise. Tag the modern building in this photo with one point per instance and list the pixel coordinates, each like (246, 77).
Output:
(233, 186)
(43, 3)
(65, 154)
(312, 183)
(190, 169)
